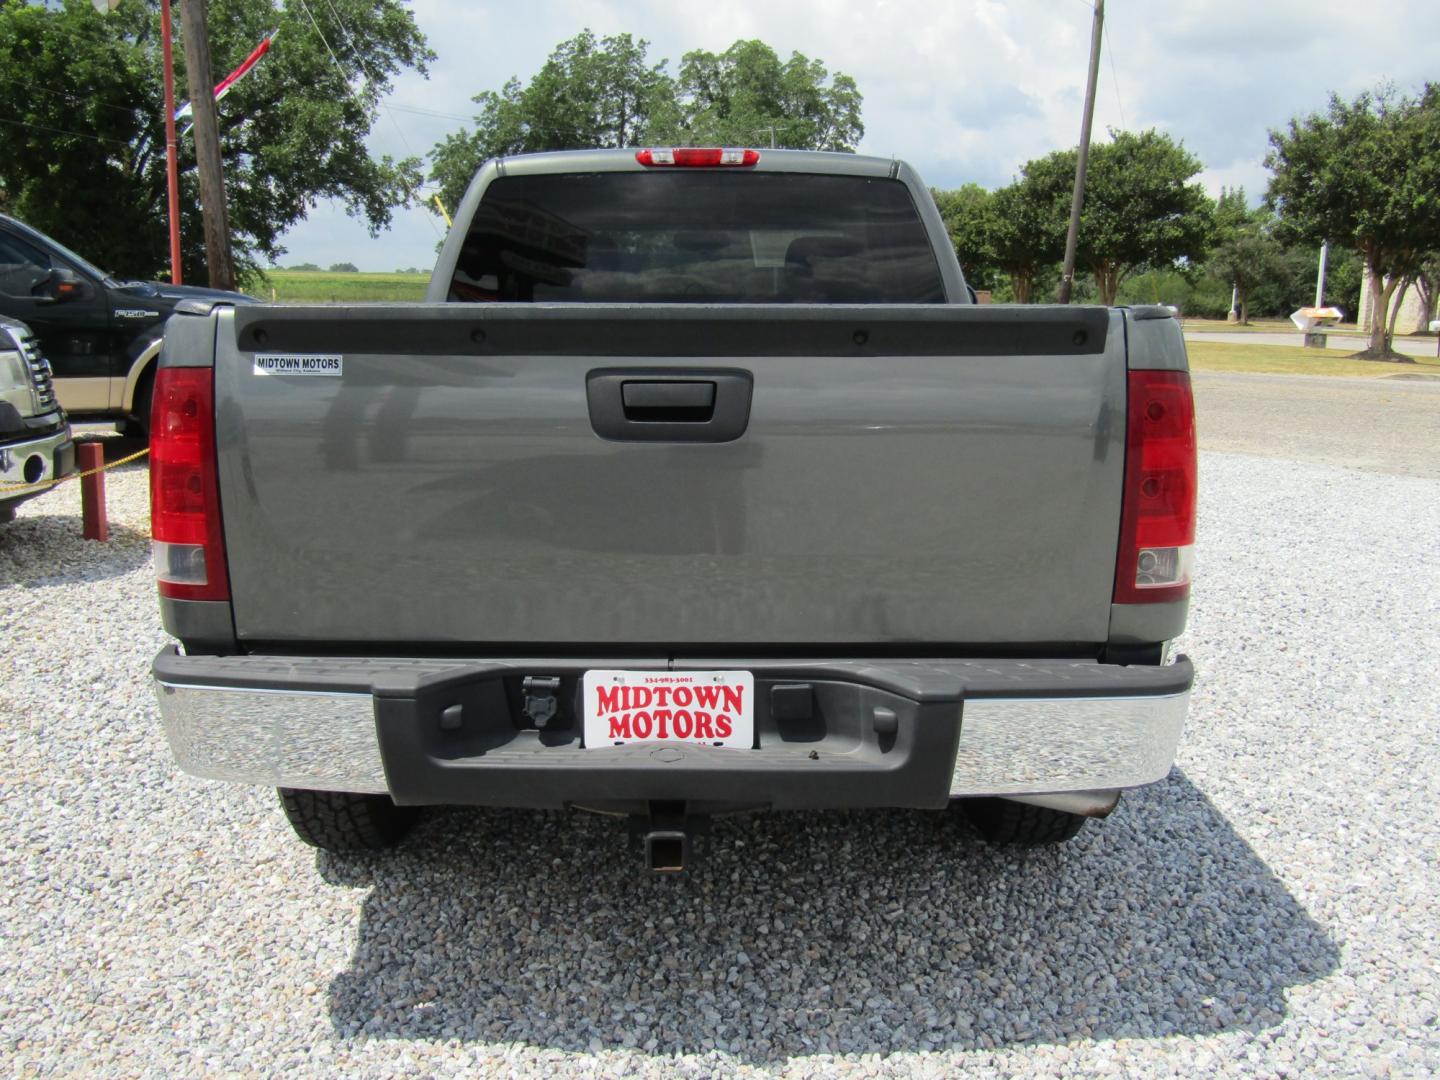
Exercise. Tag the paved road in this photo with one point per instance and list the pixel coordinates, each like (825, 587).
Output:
(1408, 346)
(1384, 425)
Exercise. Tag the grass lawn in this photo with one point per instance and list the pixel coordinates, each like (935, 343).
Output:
(1288, 360)
(321, 287)
(1260, 326)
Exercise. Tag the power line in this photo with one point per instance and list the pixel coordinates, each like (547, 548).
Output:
(1114, 79)
(78, 100)
(418, 111)
(63, 131)
(347, 37)
(321, 35)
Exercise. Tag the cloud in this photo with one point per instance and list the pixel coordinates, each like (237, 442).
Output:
(965, 91)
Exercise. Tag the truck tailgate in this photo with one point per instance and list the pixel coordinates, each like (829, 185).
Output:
(898, 474)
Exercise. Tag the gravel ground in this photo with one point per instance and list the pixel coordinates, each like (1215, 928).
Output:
(1269, 910)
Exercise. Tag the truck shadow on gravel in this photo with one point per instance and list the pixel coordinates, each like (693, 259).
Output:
(823, 933)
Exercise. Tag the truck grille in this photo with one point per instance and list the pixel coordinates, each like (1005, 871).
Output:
(39, 371)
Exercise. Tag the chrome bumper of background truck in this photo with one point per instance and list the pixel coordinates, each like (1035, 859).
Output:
(314, 726)
(34, 461)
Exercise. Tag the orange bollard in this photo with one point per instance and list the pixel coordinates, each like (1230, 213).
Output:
(92, 491)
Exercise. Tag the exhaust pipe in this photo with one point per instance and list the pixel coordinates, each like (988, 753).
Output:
(1097, 804)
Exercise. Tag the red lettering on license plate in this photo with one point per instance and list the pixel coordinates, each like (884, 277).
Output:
(713, 708)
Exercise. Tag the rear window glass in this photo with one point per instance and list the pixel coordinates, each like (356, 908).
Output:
(686, 236)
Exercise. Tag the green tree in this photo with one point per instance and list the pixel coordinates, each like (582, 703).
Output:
(1200, 296)
(604, 92)
(1143, 208)
(1364, 175)
(1246, 254)
(1233, 213)
(1025, 226)
(344, 268)
(966, 212)
(82, 105)
(1247, 260)
(747, 96)
(592, 92)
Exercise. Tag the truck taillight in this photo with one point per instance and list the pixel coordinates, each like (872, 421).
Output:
(1157, 519)
(697, 156)
(188, 545)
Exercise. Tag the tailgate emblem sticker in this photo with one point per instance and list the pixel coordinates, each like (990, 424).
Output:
(298, 364)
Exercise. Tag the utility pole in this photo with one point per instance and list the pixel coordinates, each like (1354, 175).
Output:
(207, 145)
(1082, 160)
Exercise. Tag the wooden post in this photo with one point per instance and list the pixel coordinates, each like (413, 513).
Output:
(95, 525)
(207, 145)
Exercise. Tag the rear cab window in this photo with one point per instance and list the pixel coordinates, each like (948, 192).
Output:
(692, 236)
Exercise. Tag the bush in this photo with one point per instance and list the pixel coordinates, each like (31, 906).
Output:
(1203, 298)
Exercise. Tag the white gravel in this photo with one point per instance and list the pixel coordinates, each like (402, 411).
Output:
(1269, 910)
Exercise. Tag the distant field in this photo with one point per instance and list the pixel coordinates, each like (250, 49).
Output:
(319, 287)
(1289, 360)
(1255, 326)
(1266, 326)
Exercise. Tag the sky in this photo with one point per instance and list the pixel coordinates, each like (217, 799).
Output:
(966, 90)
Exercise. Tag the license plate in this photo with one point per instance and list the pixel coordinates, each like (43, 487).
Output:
(701, 708)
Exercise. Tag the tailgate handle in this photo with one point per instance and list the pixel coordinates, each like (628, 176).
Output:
(688, 402)
(669, 404)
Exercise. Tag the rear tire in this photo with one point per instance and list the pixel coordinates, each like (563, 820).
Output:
(342, 822)
(1000, 821)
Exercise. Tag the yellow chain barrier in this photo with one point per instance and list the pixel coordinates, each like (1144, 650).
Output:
(6, 486)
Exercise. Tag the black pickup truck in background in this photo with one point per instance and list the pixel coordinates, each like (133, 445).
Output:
(101, 335)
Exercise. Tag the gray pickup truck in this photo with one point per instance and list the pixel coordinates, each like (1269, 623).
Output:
(698, 484)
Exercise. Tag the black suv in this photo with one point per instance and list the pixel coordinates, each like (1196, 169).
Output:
(100, 335)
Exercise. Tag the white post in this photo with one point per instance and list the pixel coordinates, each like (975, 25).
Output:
(1320, 277)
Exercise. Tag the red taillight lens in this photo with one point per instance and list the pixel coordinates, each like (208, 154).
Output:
(1157, 520)
(189, 547)
(697, 156)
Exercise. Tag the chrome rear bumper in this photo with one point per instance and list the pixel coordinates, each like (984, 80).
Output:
(356, 725)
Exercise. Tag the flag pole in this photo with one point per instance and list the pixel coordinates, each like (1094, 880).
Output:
(172, 165)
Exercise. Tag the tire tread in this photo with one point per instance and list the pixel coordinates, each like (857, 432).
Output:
(1000, 821)
(341, 821)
